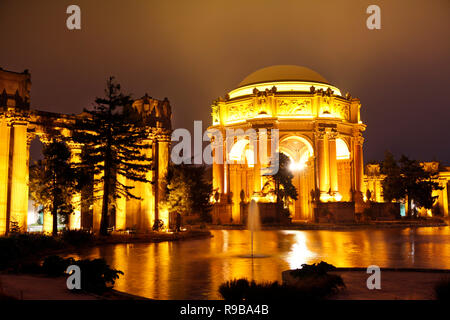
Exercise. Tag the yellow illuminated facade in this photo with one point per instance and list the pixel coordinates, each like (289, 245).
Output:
(320, 130)
(373, 179)
(19, 126)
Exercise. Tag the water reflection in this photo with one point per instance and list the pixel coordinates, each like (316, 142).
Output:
(195, 269)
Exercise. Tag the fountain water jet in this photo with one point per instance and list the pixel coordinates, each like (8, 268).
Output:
(253, 221)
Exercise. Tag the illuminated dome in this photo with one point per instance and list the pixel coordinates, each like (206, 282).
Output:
(283, 73)
(286, 78)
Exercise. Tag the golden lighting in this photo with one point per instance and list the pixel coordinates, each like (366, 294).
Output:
(342, 151)
(299, 253)
(282, 86)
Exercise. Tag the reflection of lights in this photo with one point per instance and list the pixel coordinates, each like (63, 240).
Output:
(299, 253)
(337, 196)
(225, 240)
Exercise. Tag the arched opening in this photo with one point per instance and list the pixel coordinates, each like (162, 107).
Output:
(242, 152)
(342, 151)
(300, 151)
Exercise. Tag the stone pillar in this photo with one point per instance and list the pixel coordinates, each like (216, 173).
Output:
(333, 167)
(359, 164)
(256, 170)
(322, 155)
(47, 226)
(218, 168)
(75, 217)
(97, 203)
(444, 201)
(5, 131)
(163, 166)
(121, 206)
(147, 202)
(18, 170)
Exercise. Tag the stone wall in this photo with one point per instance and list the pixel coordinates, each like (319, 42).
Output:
(335, 212)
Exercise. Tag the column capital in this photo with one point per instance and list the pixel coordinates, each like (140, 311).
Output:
(321, 134)
(333, 135)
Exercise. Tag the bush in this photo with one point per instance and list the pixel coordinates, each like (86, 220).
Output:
(234, 290)
(158, 225)
(442, 289)
(243, 290)
(77, 237)
(55, 266)
(96, 275)
(313, 283)
(315, 269)
(17, 248)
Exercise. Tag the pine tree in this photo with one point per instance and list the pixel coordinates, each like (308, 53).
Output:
(115, 143)
(188, 192)
(53, 181)
(408, 180)
(282, 181)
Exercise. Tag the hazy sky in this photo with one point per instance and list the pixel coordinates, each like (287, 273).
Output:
(194, 51)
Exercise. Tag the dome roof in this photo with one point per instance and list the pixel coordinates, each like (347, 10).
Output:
(283, 73)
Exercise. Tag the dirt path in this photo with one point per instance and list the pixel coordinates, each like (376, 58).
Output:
(395, 285)
(29, 287)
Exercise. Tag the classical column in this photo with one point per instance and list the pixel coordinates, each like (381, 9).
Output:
(163, 163)
(47, 224)
(256, 169)
(323, 156)
(121, 206)
(75, 217)
(19, 187)
(97, 203)
(218, 168)
(333, 166)
(5, 130)
(359, 166)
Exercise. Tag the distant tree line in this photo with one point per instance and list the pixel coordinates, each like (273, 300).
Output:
(407, 180)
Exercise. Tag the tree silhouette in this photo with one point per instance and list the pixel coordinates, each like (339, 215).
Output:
(408, 180)
(53, 181)
(282, 180)
(115, 143)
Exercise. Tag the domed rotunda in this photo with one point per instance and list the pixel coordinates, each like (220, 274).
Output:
(319, 130)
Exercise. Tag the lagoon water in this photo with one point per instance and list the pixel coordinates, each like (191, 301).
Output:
(194, 269)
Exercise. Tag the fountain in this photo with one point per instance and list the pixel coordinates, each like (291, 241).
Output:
(253, 221)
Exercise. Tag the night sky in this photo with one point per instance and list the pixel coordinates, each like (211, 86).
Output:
(194, 51)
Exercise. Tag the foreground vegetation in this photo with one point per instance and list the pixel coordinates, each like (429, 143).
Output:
(442, 289)
(313, 283)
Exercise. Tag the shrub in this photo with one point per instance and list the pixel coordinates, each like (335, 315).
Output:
(77, 237)
(19, 247)
(313, 283)
(242, 289)
(315, 269)
(234, 290)
(442, 289)
(55, 266)
(158, 225)
(96, 275)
